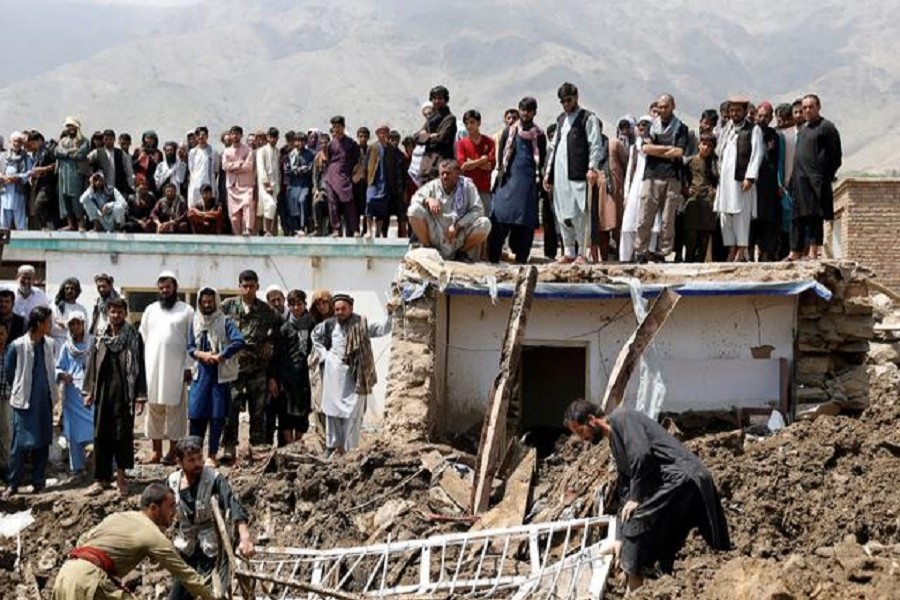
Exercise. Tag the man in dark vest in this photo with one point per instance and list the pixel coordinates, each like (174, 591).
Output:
(574, 162)
(816, 161)
(438, 134)
(742, 155)
(665, 146)
(764, 231)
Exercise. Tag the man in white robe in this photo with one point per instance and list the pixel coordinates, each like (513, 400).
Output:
(268, 175)
(343, 347)
(742, 153)
(203, 167)
(573, 163)
(28, 297)
(164, 327)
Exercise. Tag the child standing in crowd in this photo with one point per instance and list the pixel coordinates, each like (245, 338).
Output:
(78, 418)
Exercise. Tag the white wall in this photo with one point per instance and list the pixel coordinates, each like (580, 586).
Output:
(700, 329)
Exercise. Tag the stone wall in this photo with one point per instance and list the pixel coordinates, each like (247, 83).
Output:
(410, 406)
(833, 341)
(867, 213)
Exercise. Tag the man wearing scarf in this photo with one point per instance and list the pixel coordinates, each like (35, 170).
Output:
(15, 171)
(514, 211)
(65, 304)
(212, 342)
(71, 165)
(43, 183)
(576, 156)
(78, 418)
(115, 384)
(104, 206)
(343, 346)
(105, 293)
(437, 136)
(664, 147)
(446, 214)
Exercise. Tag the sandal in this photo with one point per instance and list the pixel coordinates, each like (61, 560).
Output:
(95, 489)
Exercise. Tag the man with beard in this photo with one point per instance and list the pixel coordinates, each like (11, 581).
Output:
(15, 170)
(446, 214)
(104, 206)
(114, 383)
(114, 163)
(71, 165)
(171, 169)
(65, 303)
(764, 229)
(576, 156)
(105, 293)
(438, 134)
(343, 346)
(196, 487)
(116, 546)
(523, 149)
(213, 341)
(817, 158)
(15, 324)
(147, 158)
(165, 326)
(258, 324)
(663, 488)
(741, 156)
(289, 384)
(238, 162)
(276, 301)
(28, 297)
(43, 182)
(140, 206)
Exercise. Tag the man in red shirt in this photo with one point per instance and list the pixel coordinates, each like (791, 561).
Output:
(476, 156)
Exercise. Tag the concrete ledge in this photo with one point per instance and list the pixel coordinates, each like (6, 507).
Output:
(205, 245)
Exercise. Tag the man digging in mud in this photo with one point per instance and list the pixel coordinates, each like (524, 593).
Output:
(664, 489)
(196, 487)
(116, 546)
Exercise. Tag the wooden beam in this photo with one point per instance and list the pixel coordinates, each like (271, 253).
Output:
(511, 511)
(633, 349)
(493, 431)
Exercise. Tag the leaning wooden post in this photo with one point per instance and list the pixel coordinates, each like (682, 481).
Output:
(493, 431)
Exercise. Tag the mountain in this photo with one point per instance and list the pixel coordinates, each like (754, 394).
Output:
(295, 63)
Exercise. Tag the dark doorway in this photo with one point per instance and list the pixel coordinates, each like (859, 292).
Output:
(551, 378)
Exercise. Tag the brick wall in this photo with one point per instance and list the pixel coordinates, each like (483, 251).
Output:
(868, 210)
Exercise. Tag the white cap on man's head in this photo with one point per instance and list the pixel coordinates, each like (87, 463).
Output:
(167, 275)
(25, 269)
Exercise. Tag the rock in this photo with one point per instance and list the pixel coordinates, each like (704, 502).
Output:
(884, 353)
(858, 306)
(858, 327)
(813, 366)
(749, 579)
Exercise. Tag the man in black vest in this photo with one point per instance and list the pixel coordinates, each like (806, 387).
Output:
(574, 162)
(115, 164)
(742, 154)
(665, 147)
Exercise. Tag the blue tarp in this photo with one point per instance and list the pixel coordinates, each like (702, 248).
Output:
(605, 290)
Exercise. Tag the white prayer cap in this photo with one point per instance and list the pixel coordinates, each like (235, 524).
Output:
(167, 275)
(646, 118)
(190, 132)
(427, 104)
(75, 315)
(25, 269)
(274, 288)
(73, 121)
(17, 135)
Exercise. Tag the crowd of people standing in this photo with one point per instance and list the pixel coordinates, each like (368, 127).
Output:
(737, 188)
(190, 370)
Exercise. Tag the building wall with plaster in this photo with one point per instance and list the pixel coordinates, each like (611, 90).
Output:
(703, 346)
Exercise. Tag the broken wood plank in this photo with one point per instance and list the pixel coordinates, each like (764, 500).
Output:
(450, 481)
(493, 431)
(303, 587)
(511, 511)
(635, 346)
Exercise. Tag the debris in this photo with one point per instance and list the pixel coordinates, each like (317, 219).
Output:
(511, 511)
